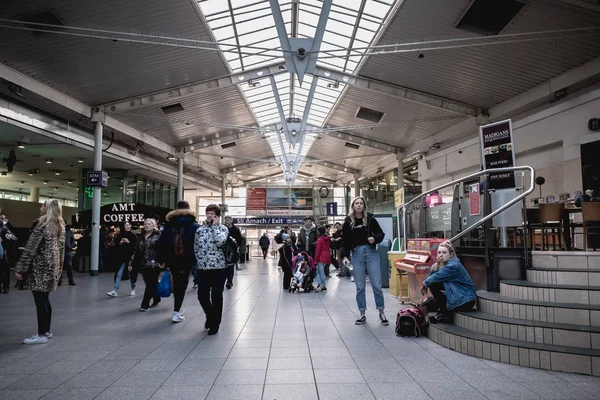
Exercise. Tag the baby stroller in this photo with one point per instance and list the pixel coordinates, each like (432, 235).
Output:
(303, 273)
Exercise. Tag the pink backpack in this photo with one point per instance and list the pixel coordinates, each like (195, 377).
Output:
(410, 322)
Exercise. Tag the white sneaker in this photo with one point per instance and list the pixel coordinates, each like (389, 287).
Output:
(319, 288)
(49, 335)
(112, 293)
(177, 317)
(132, 293)
(36, 339)
(352, 278)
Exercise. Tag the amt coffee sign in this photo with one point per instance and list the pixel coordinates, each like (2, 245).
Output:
(121, 213)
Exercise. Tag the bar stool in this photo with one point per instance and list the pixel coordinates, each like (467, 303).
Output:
(590, 213)
(550, 222)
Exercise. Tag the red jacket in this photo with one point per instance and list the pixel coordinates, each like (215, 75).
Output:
(323, 250)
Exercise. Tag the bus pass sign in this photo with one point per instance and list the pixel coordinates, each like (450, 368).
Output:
(97, 178)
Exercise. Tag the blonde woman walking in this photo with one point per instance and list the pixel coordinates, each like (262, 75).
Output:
(40, 267)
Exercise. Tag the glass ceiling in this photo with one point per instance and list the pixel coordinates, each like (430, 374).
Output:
(249, 26)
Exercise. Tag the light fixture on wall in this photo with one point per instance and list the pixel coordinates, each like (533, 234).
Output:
(21, 145)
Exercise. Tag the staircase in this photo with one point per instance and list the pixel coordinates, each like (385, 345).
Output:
(550, 321)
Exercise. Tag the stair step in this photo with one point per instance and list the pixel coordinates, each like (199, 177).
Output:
(543, 311)
(566, 260)
(587, 337)
(535, 355)
(551, 293)
(555, 276)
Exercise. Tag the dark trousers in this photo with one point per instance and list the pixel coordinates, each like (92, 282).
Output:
(327, 269)
(150, 276)
(44, 311)
(210, 294)
(265, 252)
(68, 265)
(181, 277)
(287, 276)
(436, 290)
(4, 275)
(230, 274)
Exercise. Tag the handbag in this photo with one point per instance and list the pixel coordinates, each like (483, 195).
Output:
(163, 288)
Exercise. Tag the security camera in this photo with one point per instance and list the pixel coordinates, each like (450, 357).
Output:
(301, 52)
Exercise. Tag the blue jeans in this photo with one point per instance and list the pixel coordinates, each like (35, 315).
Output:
(321, 274)
(365, 259)
(119, 276)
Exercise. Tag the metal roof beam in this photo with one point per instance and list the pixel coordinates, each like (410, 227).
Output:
(582, 4)
(178, 93)
(528, 100)
(359, 141)
(273, 160)
(262, 177)
(395, 91)
(72, 104)
(201, 165)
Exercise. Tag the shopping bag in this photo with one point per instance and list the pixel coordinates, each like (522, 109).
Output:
(163, 289)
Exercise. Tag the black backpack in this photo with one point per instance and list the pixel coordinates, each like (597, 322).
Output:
(230, 250)
(411, 322)
(179, 241)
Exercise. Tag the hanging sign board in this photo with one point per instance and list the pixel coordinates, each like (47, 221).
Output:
(474, 200)
(497, 152)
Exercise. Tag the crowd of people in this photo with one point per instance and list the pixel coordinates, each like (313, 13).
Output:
(186, 247)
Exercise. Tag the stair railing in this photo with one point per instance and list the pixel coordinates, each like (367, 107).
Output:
(402, 208)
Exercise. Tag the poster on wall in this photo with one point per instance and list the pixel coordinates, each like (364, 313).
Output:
(290, 198)
(474, 200)
(256, 201)
(497, 152)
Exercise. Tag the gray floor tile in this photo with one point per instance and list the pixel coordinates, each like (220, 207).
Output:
(24, 367)
(74, 367)
(93, 379)
(339, 376)
(558, 390)
(235, 392)
(338, 391)
(376, 362)
(457, 390)
(112, 366)
(63, 393)
(250, 353)
(387, 375)
(129, 354)
(399, 391)
(494, 389)
(241, 377)
(589, 387)
(156, 365)
(290, 363)
(523, 374)
(256, 343)
(142, 378)
(22, 394)
(41, 381)
(289, 353)
(127, 393)
(7, 380)
(295, 343)
(201, 364)
(297, 376)
(181, 393)
(191, 378)
(86, 355)
(245, 363)
(333, 362)
(290, 392)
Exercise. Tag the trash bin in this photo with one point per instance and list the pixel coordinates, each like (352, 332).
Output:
(382, 250)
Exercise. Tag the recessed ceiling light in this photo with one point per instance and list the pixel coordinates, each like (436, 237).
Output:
(80, 160)
(70, 182)
(21, 145)
(48, 161)
(57, 173)
(45, 182)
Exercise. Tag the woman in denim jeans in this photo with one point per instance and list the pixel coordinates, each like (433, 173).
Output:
(126, 242)
(361, 233)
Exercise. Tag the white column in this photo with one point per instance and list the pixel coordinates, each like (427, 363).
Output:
(96, 202)
(180, 179)
(356, 186)
(34, 195)
(223, 192)
(400, 171)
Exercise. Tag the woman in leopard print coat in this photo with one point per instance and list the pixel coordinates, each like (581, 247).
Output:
(40, 266)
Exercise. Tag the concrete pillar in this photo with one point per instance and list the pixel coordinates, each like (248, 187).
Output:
(356, 186)
(125, 184)
(96, 202)
(223, 192)
(180, 179)
(34, 195)
(400, 182)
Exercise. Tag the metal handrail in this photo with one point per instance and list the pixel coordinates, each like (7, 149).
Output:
(466, 178)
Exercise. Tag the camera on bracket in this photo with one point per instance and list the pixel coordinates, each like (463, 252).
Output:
(594, 124)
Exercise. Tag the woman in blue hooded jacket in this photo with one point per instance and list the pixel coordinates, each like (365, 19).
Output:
(450, 285)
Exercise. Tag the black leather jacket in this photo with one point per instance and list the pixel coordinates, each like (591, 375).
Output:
(145, 255)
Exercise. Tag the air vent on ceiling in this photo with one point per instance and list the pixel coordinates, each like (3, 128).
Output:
(172, 109)
(228, 145)
(47, 17)
(489, 17)
(352, 145)
(369, 115)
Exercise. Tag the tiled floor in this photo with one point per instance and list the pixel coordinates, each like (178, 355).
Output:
(272, 345)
